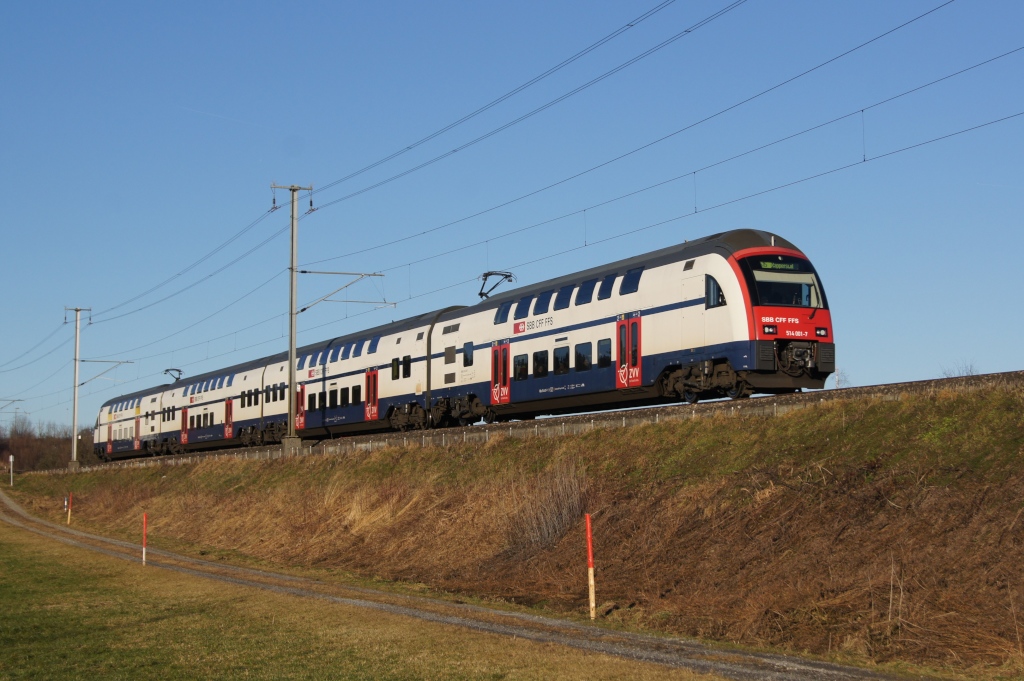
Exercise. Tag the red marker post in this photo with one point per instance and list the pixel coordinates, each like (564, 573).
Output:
(590, 569)
(144, 529)
(71, 498)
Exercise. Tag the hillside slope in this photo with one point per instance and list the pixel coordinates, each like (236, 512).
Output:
(884, 531)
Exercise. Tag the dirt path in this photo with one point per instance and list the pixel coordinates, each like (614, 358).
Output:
(680, 653)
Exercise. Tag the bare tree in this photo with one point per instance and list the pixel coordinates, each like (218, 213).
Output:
(841, 380)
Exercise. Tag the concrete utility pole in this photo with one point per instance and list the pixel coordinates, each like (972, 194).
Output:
(290, 440)
(74, 404)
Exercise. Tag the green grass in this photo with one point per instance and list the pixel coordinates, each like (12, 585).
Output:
(67, 613)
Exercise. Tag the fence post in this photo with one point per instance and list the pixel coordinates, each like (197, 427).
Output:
(71, 499)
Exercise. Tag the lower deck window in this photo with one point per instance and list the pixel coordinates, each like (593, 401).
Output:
(604, 353)
(357, 394)
(520, 367)
(540, 364)
(583, 356)
(561, 360)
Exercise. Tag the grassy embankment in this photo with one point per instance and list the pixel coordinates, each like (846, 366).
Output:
(863, 531)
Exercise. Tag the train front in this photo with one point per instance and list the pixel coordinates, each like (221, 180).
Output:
(792, 326)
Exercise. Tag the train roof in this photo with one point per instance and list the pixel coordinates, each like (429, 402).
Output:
(725, 243)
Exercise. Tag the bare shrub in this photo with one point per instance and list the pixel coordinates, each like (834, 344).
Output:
(542, 509)
(960, 369)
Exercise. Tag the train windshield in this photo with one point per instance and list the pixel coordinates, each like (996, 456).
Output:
(783, 280)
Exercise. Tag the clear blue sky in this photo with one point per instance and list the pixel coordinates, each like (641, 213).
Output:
(137, 137)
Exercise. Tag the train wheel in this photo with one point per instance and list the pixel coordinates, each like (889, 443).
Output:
(740, 391)
(690, 397)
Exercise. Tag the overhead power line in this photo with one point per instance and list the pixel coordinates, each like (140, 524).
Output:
(36, 345)
(511, 93)
(490, 105)
(575, 91)
(627, 154)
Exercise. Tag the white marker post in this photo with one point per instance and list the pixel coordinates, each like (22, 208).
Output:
(144, 528)
(12, 470)
(590, 569)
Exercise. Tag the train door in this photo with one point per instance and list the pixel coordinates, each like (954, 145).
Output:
(629, 361)
(500, 393)
(110, 438)
(229, 419)
(691, 315)
(138, 439)
(300, 408)
(371, 404)
(184, 425)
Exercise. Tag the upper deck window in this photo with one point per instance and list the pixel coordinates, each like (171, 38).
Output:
(605, 291)
(783, 280)
(631, 281)
(543, 302)
(586, 292)
(564, 294)
(523, 307)
(501, 314)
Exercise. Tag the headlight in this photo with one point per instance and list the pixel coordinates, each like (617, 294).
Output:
(770, 329)
(821, 332)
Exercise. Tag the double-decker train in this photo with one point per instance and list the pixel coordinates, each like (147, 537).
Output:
(731, 314)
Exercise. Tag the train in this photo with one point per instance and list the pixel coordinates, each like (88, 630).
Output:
(727, 315)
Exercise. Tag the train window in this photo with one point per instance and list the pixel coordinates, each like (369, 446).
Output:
(343, 396)
(631, 281)
(311, 402)
(451, 328)
(560, 365)
(358, 348)
(713, 294)
(605, 291)
(192, 421)
(333, 357)
(467, 355)
(501, 314)
(332, 399)
(323, 399)
(346, 350)
(266, 394)
(407, 366)
(634, 343)
(231, 379)
(373, 345)
(540, 364)
(523, 307)
(622, 346)
(394, 369)
(583, 360)
(449, 355)
(520, 367)
(357, 394)
(564, 294)
(586, 292)
(255, 397)
(217, 384)
(398, 341)
(543, 302)
(282, 390)
(688, 266)
(419, 336)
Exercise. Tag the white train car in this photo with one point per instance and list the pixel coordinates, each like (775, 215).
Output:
(726, 315)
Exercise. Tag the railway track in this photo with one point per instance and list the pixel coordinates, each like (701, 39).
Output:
(673, 652)
(767, 406)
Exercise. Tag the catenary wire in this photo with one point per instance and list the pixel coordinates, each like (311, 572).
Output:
(35, 346)
(637, 149)
(660, 223)
(607, 74)
(649, 187)
(681, 176)
(511, 93)
(533, 81)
